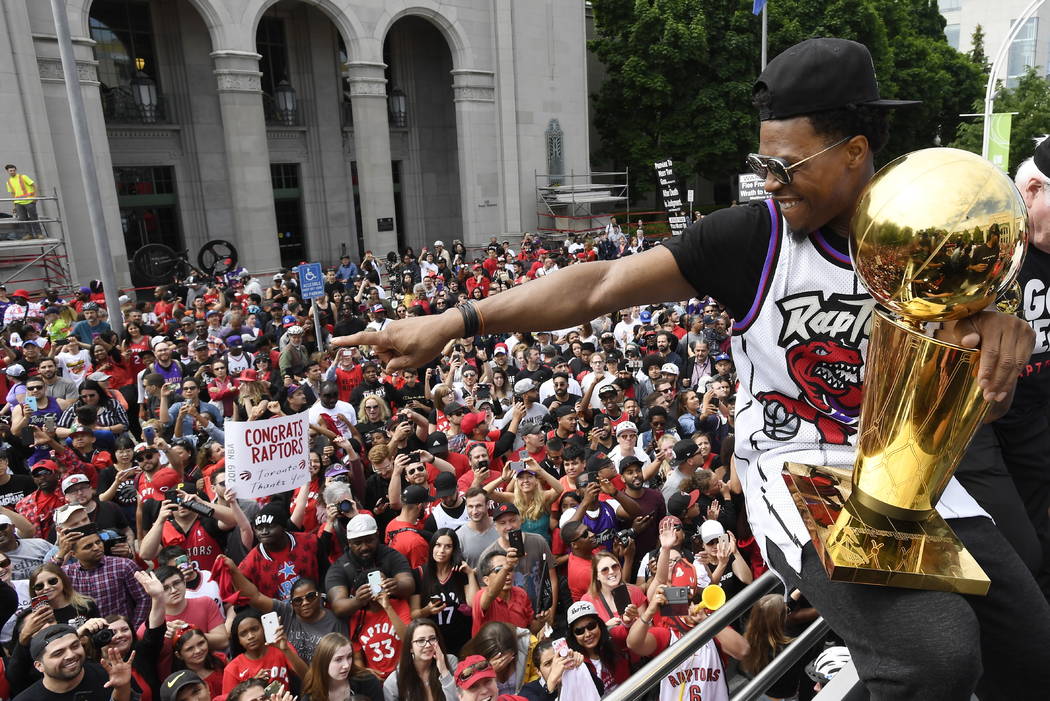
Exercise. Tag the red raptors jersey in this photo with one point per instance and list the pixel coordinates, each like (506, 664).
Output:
(375, 637)
(202, 547)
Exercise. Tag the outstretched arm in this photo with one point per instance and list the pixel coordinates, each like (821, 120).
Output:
(566, 298)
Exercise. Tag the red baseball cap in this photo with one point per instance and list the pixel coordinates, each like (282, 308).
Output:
(471, 421)
(472, 670)
(164, 479)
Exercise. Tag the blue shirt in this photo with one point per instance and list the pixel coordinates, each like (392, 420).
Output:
(86, 333)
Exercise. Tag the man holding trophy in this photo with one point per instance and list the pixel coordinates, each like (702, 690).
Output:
(863, 516)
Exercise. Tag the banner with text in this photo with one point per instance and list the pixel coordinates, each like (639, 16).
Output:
(267, 457)
(672, 197)
(751, 187)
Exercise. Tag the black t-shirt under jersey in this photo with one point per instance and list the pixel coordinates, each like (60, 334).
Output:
(723, 254)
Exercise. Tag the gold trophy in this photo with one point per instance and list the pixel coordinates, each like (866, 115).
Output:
(936, 236)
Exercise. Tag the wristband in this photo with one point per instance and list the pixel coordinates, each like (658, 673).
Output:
(471, 321)
(648, 623)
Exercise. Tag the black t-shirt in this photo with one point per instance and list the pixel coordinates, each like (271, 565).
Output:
(349, 572)
(722, 254)
(17, 487)
(126, 494)
(92, 686)
(349, 326)
(109, 515)
(1033, 387)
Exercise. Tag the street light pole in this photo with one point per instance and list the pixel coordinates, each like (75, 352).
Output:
(86, 158)
(1000, 56)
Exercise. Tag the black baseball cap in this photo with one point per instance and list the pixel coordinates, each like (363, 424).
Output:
(683, 450)
(820, 74)
(437, 442)
(176, 682)
(416, 494)
(45, 637)
(630, 460)
(598, 461)
(503, 509)
(445, 485)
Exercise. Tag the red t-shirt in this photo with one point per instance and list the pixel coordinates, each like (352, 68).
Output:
(273, 572)
(408, 542)
(516, 610)
(579, 576)
(376, 638)
(240, 668)
(201, 612)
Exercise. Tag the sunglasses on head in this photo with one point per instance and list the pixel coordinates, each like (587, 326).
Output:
(308, 596)
(39, 586)
(780, 169)
(473, 669)
(589, 626)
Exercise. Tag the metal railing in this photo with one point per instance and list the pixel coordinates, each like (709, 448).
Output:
(783, 662)
(119, 106)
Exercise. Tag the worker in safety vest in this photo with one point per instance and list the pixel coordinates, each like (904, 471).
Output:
(23, 189)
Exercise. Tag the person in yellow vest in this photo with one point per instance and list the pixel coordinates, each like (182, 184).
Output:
(23, 189)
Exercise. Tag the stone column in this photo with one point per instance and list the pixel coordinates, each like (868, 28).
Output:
(375, 178)
(247, 160)
(478, 140)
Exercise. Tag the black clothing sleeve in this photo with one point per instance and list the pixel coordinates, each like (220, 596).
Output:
(504, 443)
(722, 255)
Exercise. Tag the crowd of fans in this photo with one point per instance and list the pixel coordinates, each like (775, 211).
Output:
(530, 513)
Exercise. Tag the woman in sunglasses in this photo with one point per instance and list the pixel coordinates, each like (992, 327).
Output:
(607, 575)
(425, 670)
(304, 617)
(604, 650)
(50, 581)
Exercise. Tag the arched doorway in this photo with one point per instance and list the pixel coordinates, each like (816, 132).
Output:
(424, 143)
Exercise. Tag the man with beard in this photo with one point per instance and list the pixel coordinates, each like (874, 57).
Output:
(281, 557)
(558, 394)
(650, 501)
(371, 386)
(61, 389)
(165, 364)
(39, 506)
(347, 580)
(59, 655)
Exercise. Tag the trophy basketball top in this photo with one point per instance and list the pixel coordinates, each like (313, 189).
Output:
(938, 234)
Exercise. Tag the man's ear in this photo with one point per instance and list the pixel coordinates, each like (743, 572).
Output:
(39, 666)
(858, 150)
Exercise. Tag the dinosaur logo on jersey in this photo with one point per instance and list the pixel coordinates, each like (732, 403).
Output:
(822, 339)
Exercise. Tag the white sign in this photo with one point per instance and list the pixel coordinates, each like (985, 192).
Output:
(689, 195)
(267, 457)
(751, 187)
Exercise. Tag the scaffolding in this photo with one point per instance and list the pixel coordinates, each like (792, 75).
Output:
(580, 203)
(33, 251)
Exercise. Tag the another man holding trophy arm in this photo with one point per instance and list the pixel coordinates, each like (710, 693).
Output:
(895, 554)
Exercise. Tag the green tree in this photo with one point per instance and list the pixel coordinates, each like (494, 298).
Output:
(977, 54)
(679, 74)
(1030, 100)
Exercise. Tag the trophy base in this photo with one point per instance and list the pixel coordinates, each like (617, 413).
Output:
(859, 545)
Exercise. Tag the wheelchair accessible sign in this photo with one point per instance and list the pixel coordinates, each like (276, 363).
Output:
(311, 280)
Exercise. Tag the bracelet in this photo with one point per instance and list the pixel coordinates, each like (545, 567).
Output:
(471, 322)
(648, 623)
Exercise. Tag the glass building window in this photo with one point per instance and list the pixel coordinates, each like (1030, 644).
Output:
(126, 55)
(271, 44)
(1022, 51)
(951, 33)
(287, 206)
(948, 5)
(148, 205)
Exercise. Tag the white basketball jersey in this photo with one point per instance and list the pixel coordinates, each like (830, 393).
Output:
(699, 678)
(799, 354)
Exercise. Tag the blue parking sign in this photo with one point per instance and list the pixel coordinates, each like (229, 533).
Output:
(311, 280)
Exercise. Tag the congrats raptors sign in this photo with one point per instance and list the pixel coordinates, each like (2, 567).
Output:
(267, 457)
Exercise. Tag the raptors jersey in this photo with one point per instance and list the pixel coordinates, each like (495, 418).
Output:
(799, 353)
(699, 678)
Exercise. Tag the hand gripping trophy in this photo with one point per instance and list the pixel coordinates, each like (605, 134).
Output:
(936, 236)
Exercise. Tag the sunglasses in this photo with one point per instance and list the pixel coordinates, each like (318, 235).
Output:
(34, 388)
(309, 596)
(473, 669)
(762, 166)
(39, 586)
(5, 563)
(586, 627)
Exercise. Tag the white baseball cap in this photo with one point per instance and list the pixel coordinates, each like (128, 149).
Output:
(579, 610)
(63, 513)
(626, 426)
(72, 481)
(711, 530)
(669, 368)
(360, 526)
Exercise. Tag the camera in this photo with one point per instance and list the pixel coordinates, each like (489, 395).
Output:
(624, 537)
(346, 506)
(109, 538)
(415, 456)
(102, 637)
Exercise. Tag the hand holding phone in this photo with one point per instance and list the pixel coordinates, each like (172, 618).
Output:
(375, 582)
(270, 624)
(517, 541)
(622, 598)
(31, 403)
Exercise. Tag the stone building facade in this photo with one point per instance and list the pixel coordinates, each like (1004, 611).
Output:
(296, 128)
